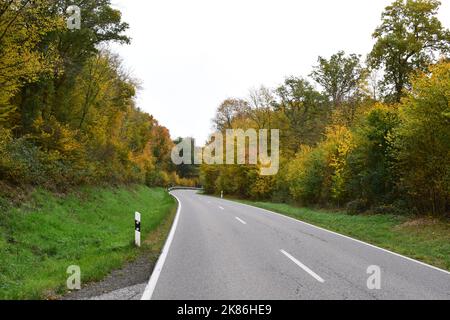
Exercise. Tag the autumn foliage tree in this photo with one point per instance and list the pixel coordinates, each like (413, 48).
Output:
(422, 141)
(409, 39)
(67, 109)
(23, 27)
(343, 147)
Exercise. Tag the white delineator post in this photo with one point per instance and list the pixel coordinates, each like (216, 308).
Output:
(137, 228)
(221, 194)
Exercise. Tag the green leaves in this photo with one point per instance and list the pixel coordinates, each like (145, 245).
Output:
(409, 38)
(68, 105)
(23, 26)
(341, 77)
(423, 141)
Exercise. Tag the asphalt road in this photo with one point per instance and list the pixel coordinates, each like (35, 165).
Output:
(220, 249)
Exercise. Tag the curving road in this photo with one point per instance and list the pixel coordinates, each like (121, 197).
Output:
(220, 249)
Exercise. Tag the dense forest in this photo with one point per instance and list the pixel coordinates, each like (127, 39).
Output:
(362, 133)
(365, 133)
(67, 109)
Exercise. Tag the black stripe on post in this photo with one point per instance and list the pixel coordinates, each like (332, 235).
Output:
(137, 225)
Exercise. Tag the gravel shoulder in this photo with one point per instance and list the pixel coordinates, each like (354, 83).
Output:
(129, 282)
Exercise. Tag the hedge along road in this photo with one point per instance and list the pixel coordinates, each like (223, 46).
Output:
(220, 249)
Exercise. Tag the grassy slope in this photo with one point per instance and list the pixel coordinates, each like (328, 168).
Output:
(423, 239)
(93, 228)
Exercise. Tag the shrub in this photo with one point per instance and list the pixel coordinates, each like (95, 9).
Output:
(356, 206)
(370, 163)
(422, 141)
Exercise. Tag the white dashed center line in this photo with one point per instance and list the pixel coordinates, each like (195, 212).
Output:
(221, 208)
(240, 220)
(301, 265)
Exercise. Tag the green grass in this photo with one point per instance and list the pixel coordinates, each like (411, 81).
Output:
(424, 239)
(92, 228)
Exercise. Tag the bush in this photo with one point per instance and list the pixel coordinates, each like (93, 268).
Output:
(356, 206)
(307, 176)
(317, 175)
(262, 188)
(156, 178)
(370, 163)
(422, 142)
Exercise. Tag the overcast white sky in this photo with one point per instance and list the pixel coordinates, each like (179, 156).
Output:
(190, 55)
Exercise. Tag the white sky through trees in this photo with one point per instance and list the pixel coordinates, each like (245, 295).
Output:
(190, 55)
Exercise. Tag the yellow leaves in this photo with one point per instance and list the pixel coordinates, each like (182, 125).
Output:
(97, 131)
(338, 143)
(319, 172)
(262, 187)
(423, 139)
(53, 136)
(21, 61)
(81, 127)
(145, 160)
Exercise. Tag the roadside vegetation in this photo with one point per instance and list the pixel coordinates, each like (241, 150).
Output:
(423, 238)
(361, 133)
(368, 135)
(68, 115)
(72, 141)
(92, 228)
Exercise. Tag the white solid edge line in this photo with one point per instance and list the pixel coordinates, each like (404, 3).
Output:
(240, 220)
(344, 236)
(301, 265)
(148, 292)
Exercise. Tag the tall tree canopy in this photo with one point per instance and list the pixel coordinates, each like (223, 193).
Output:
(305, 110)
(386, 151)
(342, 77)
(67, 109)
(23, 27)
(410, 38)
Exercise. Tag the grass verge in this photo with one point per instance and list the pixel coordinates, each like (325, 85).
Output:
(424, 239)
(92, 228)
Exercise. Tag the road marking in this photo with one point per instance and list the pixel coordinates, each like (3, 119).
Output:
(148, 292)
(221, 208)
(301, 265)
(240, 220)
(343, 236)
